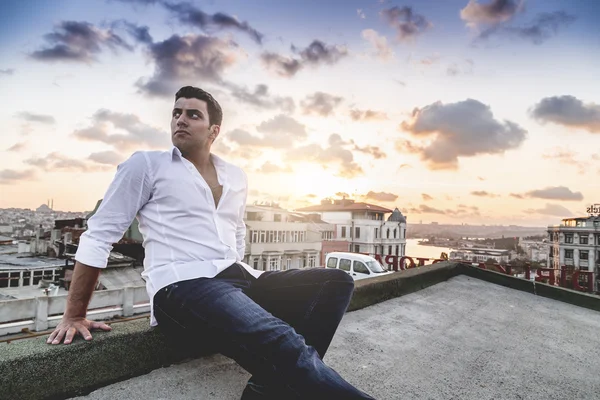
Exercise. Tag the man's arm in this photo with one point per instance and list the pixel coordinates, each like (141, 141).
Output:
(80, 293)
(129, 191)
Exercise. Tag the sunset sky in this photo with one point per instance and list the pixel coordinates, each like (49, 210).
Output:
(455, 111)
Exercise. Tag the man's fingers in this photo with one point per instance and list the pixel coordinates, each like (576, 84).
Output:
(83, 331)
(52, 336)
(70, 334)
(59, 336)
(100, 325)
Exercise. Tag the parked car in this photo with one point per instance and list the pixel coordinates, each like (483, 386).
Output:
(359, 266)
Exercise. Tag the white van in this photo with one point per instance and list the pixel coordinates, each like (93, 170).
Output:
(359, 266)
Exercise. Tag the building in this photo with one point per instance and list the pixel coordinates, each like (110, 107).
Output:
(362, 227)
(535, 250)
(475, 254)
(576, 243)
(277, 239)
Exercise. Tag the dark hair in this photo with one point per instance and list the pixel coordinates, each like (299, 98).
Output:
(215, 114)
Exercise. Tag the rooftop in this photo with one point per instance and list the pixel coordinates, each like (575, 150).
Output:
(445, 331)
(460, 339)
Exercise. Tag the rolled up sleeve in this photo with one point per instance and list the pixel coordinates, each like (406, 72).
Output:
(130, 189)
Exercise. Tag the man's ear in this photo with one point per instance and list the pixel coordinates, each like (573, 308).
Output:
(214, 131)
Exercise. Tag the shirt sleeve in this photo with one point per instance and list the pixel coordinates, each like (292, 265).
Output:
(241, 226)
(130, 189)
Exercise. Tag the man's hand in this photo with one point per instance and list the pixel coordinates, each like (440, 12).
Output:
(69, 327)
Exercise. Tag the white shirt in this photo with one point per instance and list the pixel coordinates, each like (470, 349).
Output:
(185, 235)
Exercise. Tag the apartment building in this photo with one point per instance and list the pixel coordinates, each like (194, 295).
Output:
(362, 227)
(576, 243)
(277, 239)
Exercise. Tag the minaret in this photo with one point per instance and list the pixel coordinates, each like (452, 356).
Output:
(52, 205)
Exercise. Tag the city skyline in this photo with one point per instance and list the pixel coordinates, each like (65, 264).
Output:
(482, 112)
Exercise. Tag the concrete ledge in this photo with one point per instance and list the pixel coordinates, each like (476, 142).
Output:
(372, 291)
(32, 369)
(570, 296)
(497, 278)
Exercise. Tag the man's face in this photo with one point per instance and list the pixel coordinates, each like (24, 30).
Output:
(190, 127)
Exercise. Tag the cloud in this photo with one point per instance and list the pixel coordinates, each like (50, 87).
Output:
(315, 54)
(374, 151)
(382, 49)
(282, 66)
(30, 117)
(463, 129)
(9, 71)
(184, 60)
(483, 193)
(542, 28)
(360, 13)
(122, 131)
(261, 98)
(462, 68)
(283, 125)
(11, 177)
(141, 34)
(342, 194)
(320, 103)
(278, 132)
(335, 153)
(568, 111)
(426, 197)
(567, 157)
(367, 115)
(492, 13)
(74, 41)
(311, 196)
(188, 14)
(107, 157)
(425, 209)
(408, 24)
(552, 209)
(517, 196)
(556, 193)
(381, 196)
(269, 168)
(143, 2)
(58, 162)
(17, 147)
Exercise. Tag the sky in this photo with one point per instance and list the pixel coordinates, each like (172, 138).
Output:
(454, 111)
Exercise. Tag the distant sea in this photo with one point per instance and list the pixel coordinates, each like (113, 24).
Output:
(414, 249)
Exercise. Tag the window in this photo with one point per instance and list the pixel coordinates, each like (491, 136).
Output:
(262, 237)
(26, 278)
(388, 233)
(568, 253)
(343, 231)
(302, 236)
(254, 216)
(295, 236)
(273, 264)
(345, 264)
(394, 233)
(404, 234)
(357, 234)
(397, 249)
(596, 224)
(376, 232)
(14, 278)
(3, 279)
(312, 261)
(256, 263)
(583, 239)
(277, 217)
(584, 255)
(288, 263)
(357, 248)
(360, 268)
(254, 237)
(271, 237)
(332, 262)
(389, 249)
(568, 238)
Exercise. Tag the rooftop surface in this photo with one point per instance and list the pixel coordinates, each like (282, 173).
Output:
(460, 339)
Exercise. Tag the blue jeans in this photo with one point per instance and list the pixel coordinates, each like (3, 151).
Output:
(277, 327)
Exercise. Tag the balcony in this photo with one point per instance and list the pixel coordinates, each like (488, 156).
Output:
(569, 262)
(583, 264)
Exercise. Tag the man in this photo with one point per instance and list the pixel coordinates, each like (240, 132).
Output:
(190, 205)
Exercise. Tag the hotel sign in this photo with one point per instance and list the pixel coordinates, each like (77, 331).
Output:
(594, 210)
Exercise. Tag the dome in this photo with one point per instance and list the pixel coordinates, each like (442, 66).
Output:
(397, 216)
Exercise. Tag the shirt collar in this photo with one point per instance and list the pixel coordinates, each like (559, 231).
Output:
(220, 164)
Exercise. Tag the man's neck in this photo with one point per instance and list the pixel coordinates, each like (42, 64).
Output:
(200, 158)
